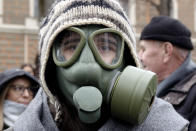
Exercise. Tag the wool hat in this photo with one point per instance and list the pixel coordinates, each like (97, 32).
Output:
(67, 13)
(164, 28)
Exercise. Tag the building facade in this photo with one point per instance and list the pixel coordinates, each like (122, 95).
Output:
(18, 33)
(19, 25)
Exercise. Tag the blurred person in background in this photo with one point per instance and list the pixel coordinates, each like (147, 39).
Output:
(165, 48)
(28, 68)
(17, 89)
(37, 65)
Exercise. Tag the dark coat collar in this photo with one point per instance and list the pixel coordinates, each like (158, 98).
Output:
(185, 69)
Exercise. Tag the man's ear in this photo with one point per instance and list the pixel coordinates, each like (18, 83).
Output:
(168, 51)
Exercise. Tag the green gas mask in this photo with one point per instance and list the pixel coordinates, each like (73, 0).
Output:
(91, 71)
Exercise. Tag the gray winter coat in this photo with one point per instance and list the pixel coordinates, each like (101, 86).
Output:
(162, 117)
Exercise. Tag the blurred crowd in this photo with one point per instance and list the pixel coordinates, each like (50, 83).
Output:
(76, 75)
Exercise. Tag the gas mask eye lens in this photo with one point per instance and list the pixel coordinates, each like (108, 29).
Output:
(68, 45)
(108, 45)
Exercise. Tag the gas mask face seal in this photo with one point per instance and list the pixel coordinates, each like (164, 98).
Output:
(87, 57)
(106, 44)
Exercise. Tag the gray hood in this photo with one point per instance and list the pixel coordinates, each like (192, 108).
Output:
(8, 75)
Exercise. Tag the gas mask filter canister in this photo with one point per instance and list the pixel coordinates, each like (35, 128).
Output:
(133, 94)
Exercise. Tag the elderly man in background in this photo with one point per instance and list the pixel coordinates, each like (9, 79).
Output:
(165, 46)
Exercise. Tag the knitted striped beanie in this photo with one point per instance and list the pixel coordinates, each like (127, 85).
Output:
(66, 13)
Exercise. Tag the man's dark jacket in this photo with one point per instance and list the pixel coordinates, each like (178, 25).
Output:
(180, 90)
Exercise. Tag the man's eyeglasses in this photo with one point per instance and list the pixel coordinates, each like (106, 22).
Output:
(20, 89)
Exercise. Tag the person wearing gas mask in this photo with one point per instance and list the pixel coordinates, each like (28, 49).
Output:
(90, 74)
